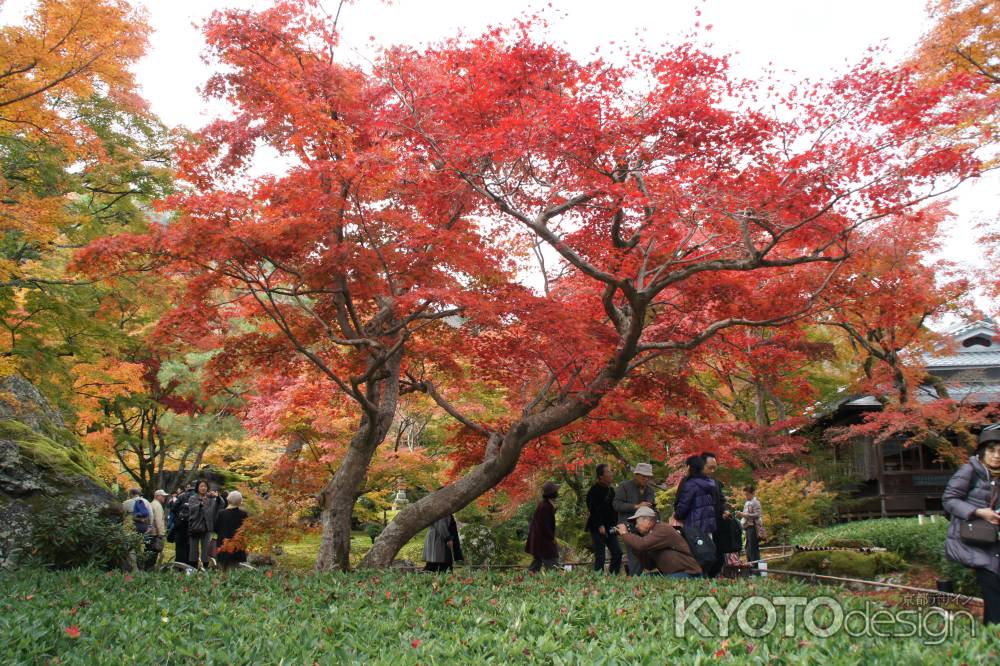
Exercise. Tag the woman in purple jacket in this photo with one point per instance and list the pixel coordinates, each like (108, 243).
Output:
(695, 503)
(974, 493)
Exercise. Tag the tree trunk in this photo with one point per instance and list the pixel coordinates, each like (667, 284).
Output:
(503, 452)
(449, 499)
(341, 492)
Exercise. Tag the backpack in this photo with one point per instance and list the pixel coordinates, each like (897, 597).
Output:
(140, 515)
(701, 545)
(181, 509)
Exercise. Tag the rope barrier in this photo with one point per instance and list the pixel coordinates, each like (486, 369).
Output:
(816, 577)
(749, 567)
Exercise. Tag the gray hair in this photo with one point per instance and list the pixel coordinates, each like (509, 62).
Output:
(234, 498)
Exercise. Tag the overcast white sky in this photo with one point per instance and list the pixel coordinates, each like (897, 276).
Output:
(798, 38)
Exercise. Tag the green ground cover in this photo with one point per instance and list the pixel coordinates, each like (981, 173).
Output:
(282, 617)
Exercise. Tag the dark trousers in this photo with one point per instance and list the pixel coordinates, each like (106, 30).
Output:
(196, 541)
(634, 567)
(547, 562)
(438, 566)
(181, 545)
(609, 539)
(753, 544)
(989, 583)
(679, 574)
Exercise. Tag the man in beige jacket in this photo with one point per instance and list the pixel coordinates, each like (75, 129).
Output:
(158, 529)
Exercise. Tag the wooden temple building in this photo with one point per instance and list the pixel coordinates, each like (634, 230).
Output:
(897, 480)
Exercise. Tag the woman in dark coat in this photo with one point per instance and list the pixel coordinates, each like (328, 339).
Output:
(542, 532)
(203, 507)
(974, 493)
(696, 498)
(227, 523)
(696, 506)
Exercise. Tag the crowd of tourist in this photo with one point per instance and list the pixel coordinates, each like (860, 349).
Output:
(196, 519)
(701, 536)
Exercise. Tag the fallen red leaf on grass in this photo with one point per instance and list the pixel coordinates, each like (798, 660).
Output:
(73, 631)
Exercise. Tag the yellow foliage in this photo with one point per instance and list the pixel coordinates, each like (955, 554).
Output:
(792, 503)
(105, 379)
(65, 52)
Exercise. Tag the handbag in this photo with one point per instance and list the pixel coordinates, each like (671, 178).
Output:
(156, 544)
(978, 531)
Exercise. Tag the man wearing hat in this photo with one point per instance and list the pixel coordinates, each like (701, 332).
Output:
(542, 532)
(659, 546)
(158, 530)
(973, 499)
(632, 495)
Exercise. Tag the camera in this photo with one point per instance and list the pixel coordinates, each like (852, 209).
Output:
(630, 526)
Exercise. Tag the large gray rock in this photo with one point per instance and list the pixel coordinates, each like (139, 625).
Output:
(40, 460)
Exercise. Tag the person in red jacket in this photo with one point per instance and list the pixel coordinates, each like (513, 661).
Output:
(542, 532)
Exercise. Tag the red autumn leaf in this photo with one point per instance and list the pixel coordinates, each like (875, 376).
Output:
(415, 643)
(72, 631)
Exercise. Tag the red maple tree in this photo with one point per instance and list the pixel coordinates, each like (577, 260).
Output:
(667, 201)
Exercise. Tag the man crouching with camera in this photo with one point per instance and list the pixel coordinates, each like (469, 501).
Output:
(661, 549)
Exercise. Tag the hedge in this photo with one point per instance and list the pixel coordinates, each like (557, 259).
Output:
(916, 543)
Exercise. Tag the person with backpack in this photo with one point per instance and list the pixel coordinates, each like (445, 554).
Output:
(972, 498)
(694, 509)
(139, 515)
(203, 507)
(138, 511)
(659, 546)
(728, 536)
(178, 533)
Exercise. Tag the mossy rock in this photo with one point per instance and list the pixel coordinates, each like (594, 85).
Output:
(845, 563)
(40, 462)
(59, 453)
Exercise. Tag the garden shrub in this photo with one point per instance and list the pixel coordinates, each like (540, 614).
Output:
(792, 504)
(916, 543)
(490, 537)
(373, 530)
(479, 544)
(68, 534)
